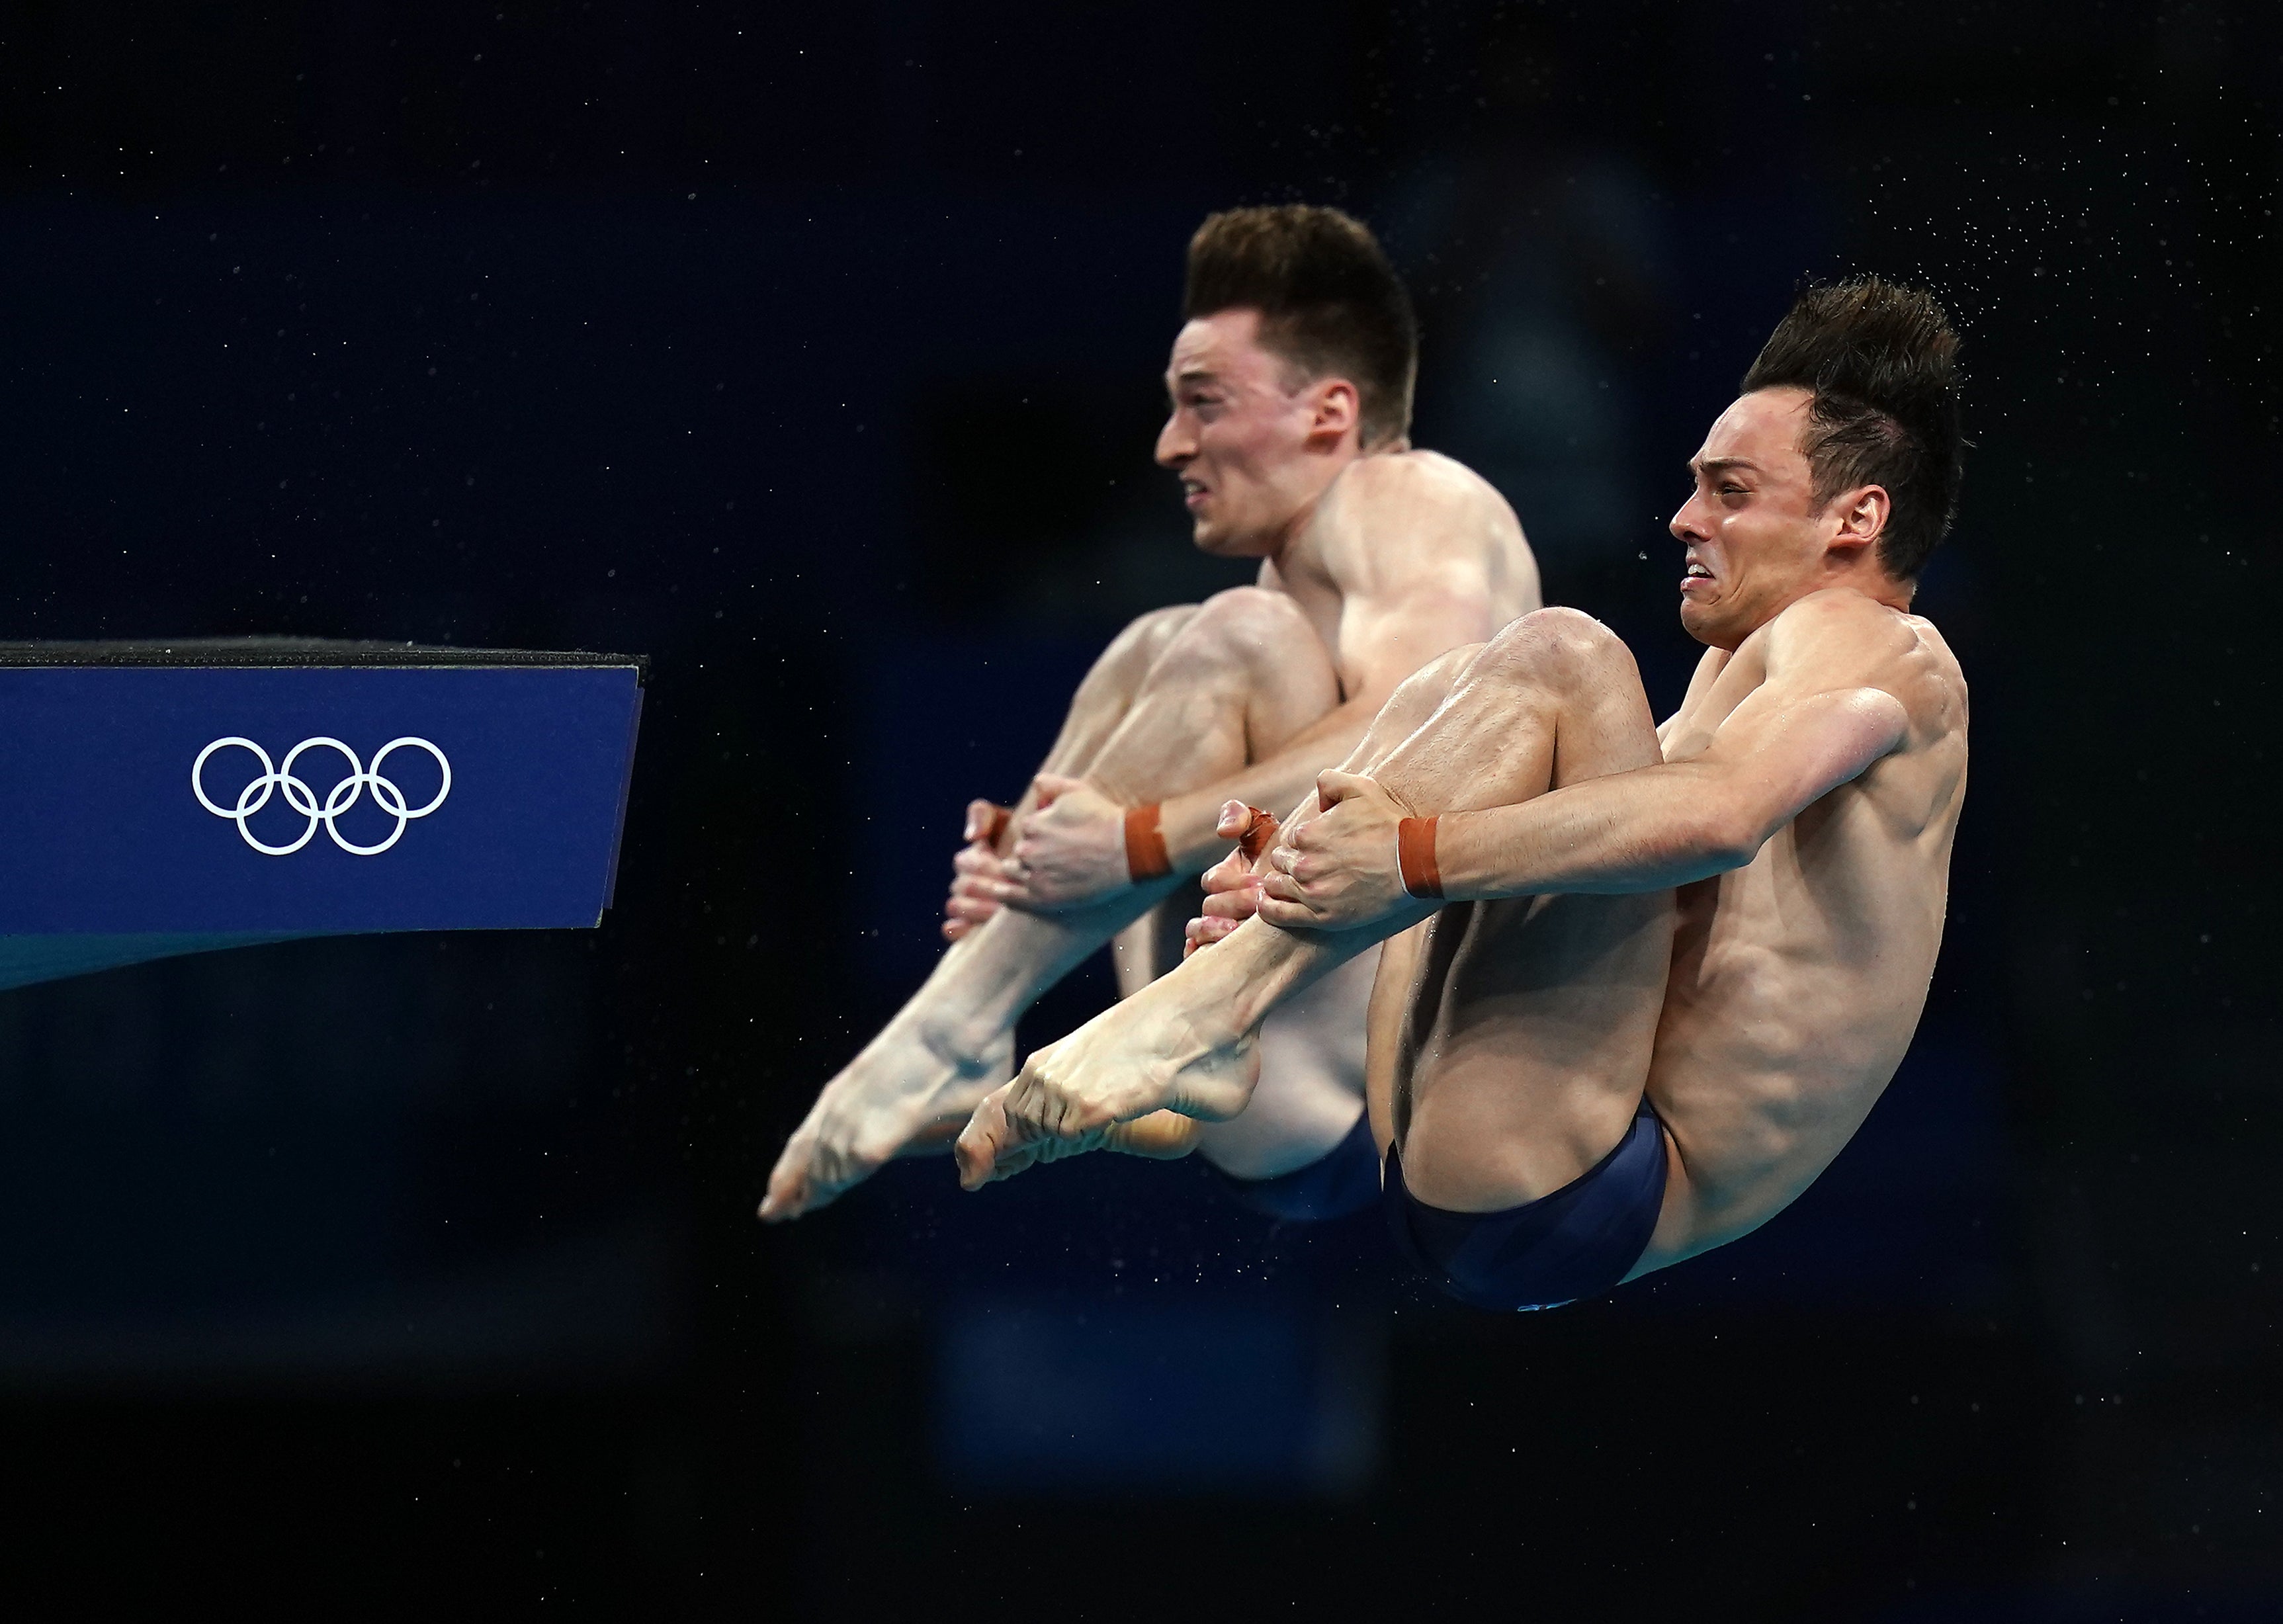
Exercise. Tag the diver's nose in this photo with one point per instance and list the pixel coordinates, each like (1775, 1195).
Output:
(1176, 444)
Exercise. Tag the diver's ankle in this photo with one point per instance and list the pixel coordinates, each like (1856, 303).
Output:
(1198, 1033)
(974, 1051)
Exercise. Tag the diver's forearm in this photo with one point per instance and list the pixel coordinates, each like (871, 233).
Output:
(1645, 830)
(1188, 823)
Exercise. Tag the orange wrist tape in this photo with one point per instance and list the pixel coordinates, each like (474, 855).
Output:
(995, 825)
(1415, 859)
(1145, 845)
(1259, 834)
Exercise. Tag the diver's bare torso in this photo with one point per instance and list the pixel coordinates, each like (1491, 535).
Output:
(1395, 523)
(1388, 520)
(1798, 979)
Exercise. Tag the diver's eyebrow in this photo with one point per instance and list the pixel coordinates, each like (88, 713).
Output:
(1713, 465)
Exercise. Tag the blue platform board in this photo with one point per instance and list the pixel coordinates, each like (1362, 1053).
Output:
(254, 790)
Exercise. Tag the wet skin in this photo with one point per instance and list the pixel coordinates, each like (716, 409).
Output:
(1804, 807)
(1373, 562)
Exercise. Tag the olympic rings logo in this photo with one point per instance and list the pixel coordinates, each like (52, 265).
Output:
(279, 780)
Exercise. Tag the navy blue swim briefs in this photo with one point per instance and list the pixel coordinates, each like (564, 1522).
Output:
(1577, 1242)
(1343, 1180)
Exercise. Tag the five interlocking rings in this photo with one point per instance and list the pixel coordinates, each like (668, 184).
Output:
(302, 799)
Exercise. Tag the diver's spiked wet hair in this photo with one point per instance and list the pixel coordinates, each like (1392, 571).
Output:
(1882, 362)
(1330, 302)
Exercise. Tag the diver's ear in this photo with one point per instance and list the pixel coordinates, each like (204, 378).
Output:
(1335, 411)
(1862, 514)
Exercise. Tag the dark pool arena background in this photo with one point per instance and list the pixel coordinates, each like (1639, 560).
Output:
(816, 357)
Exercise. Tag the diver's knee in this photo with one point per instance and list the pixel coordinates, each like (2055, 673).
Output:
(1150, 635)
(1244, 619)
(1548, 645)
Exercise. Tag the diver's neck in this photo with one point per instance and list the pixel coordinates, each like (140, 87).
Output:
(1288, 542)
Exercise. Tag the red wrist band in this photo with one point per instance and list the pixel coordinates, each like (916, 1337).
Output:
(1415, 859)
(1145, 845)
(1259, 835)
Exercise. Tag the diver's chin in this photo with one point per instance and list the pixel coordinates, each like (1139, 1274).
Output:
(1699, 621)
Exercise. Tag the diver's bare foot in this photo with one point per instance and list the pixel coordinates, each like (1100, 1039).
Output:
(909, 1090)
(1115, 1084)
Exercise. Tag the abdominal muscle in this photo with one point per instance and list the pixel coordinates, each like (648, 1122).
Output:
(1795, 993)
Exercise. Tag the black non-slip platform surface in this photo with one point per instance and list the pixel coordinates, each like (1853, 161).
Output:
(288, 652)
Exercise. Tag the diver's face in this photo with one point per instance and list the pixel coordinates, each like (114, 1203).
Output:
(1239, 436)
(1756, 541)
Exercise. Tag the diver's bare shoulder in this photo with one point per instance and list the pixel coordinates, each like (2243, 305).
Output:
(1396, 516)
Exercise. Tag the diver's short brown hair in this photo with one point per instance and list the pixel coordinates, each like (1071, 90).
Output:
(1330, 302)
(1882, 361)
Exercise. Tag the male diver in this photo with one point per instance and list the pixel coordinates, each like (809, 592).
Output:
(1290, 386)
(1643, 983)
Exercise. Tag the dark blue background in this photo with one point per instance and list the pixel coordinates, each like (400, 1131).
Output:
(105, 833)
(816, 355)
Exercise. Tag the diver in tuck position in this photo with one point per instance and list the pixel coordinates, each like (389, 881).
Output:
(1643, 983)
(1290, 388)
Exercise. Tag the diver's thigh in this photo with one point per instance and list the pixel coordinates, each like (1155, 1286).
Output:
(1311, 1087)
(1534, 1062)
(1395, 994)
